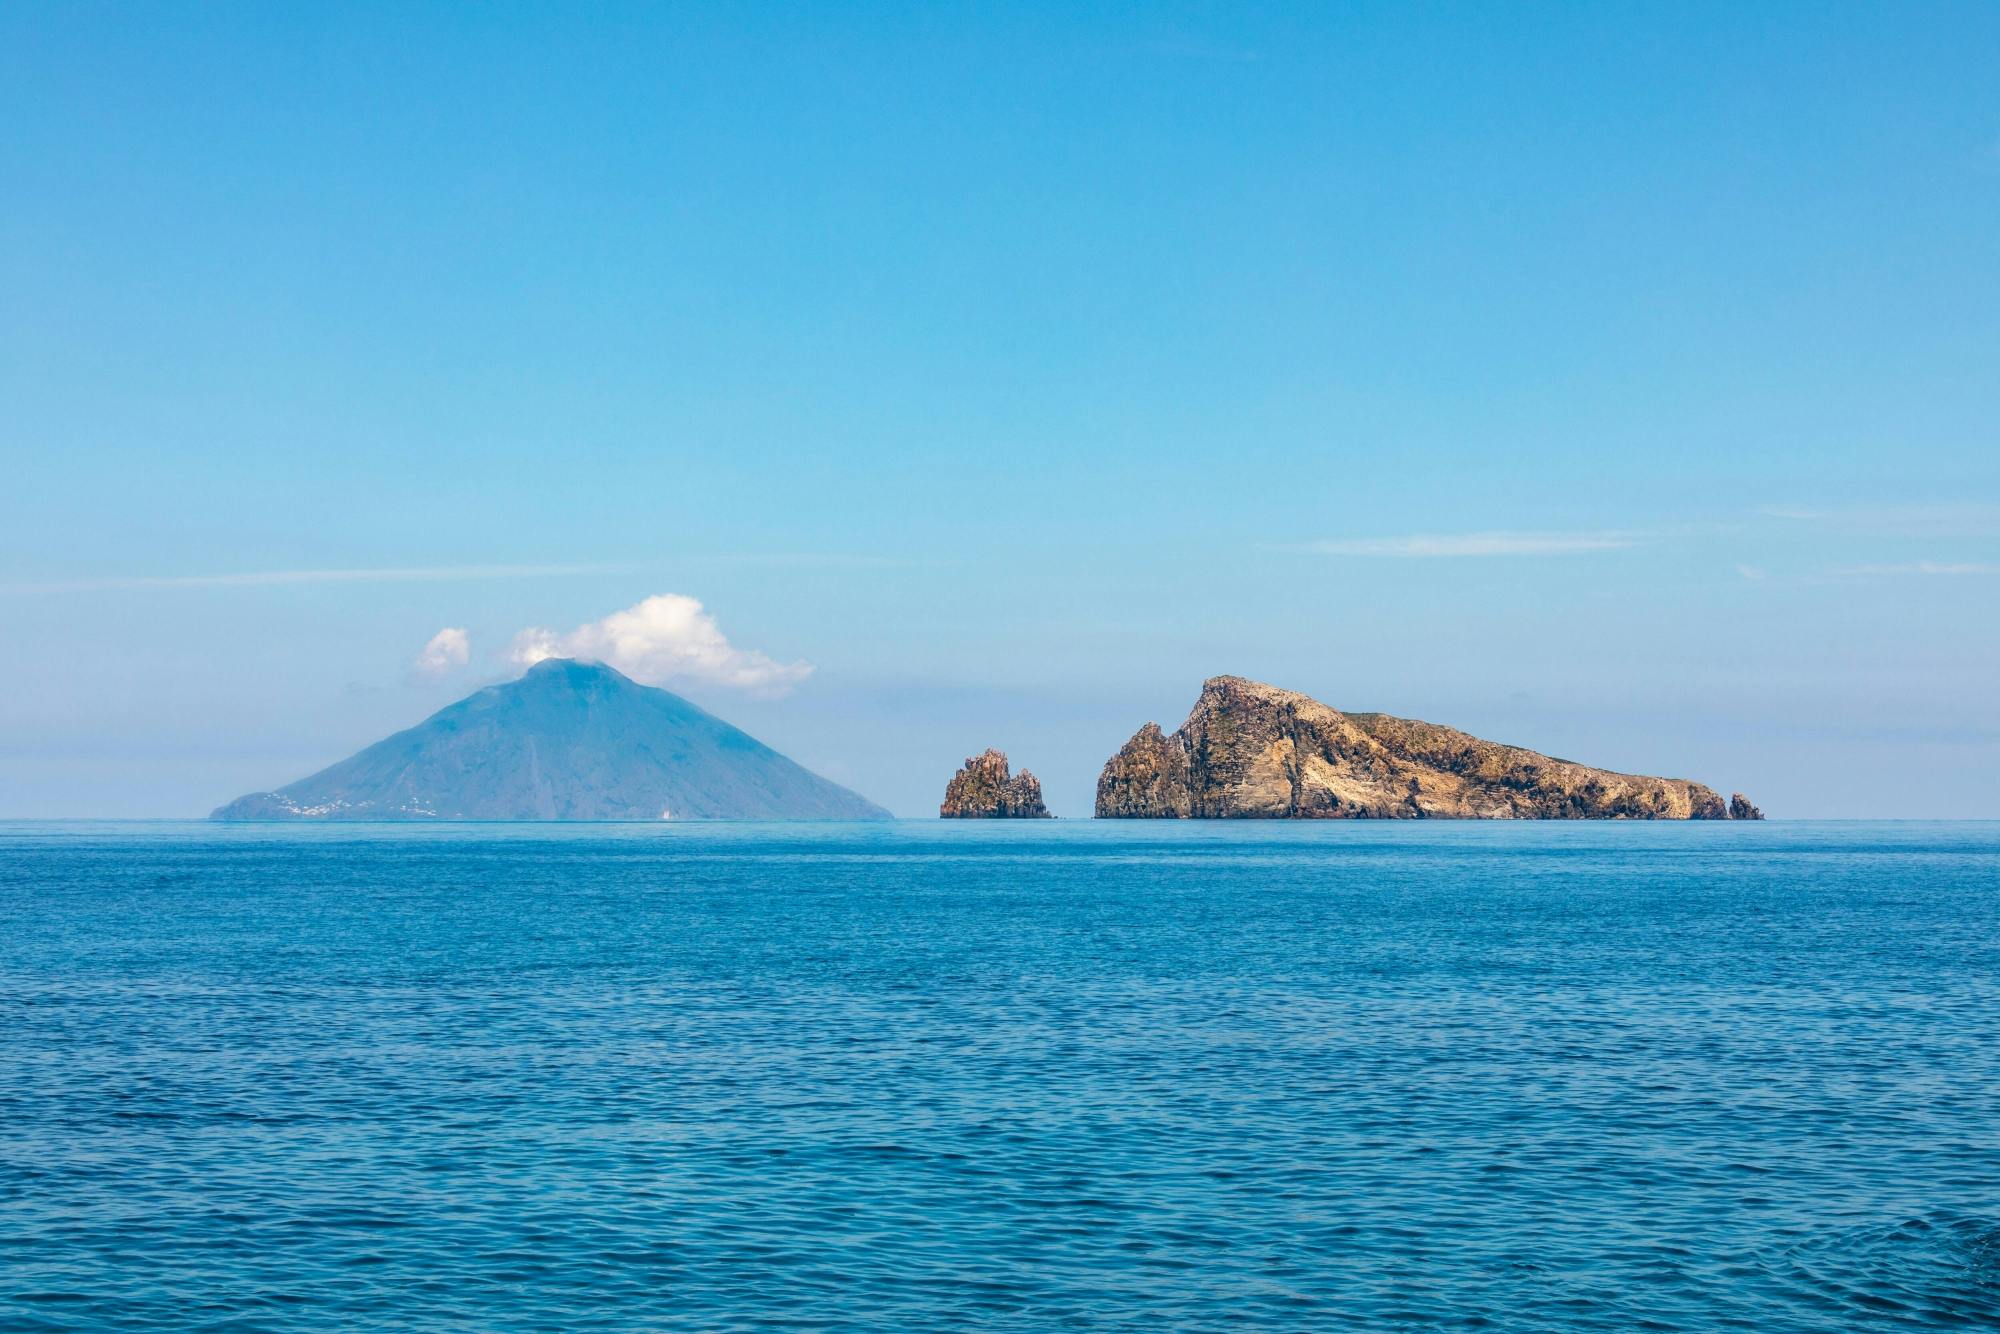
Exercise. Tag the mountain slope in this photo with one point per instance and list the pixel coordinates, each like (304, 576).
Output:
(568, 741)
(1254, 751)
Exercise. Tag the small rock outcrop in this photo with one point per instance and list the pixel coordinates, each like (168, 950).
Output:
(984, 790)
(1250, 750)
(1741, 809)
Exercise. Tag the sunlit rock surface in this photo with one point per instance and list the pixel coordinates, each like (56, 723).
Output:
(1250, 750)
(985, 790)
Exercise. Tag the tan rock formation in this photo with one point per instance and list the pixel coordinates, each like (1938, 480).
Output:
(1250, 750)
(984, 790)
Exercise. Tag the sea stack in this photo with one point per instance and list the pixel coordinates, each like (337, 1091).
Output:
(1254, 751)
(984, 790)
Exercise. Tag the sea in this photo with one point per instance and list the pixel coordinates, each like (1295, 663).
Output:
(1063, 1075)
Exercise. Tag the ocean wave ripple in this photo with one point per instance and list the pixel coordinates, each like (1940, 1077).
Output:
(1074, 1078)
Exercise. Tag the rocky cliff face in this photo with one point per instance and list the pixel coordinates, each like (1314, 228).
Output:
(1250, 750)
(983, 790)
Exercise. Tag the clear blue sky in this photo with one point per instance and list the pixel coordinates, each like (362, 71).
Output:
(1620, 380)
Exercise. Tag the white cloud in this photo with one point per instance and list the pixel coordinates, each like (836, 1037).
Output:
(668, 637)
(448, 650)
(1425, 545)
(1752, 572)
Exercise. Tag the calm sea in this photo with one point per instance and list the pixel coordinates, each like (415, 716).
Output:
(1021, 1077)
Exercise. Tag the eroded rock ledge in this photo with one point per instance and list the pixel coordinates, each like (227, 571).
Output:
(984, 790)
(1250, 750)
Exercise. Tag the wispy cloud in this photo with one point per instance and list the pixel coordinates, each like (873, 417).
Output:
(1429, 545)
(452, 573)
(1939, 567)
(667, 637)
(270, 578)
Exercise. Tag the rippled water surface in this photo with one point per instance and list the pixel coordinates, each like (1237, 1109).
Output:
(1025, 1077)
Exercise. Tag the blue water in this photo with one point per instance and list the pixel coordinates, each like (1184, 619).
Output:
(1017, 1077)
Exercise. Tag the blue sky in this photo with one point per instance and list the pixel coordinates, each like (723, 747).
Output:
(1619, 380)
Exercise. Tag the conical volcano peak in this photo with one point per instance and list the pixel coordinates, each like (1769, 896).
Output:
(569, 740)
(574, 669)
(575, 675)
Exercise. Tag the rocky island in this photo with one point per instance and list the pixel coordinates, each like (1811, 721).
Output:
(984, 790)
(1250, 750)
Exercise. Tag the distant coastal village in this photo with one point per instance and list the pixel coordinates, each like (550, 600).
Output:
(574, 740)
